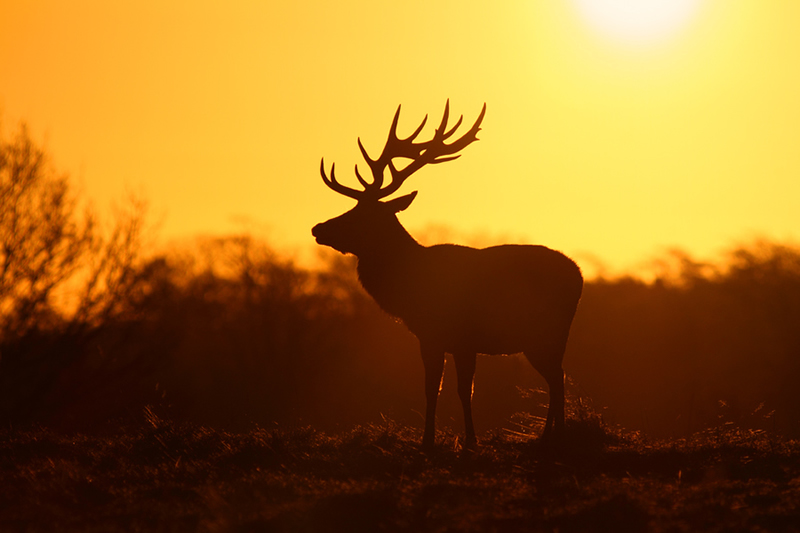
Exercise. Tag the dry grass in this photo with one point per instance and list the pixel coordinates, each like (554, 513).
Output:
(162, 476)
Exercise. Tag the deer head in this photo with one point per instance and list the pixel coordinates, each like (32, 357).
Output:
(372, 222)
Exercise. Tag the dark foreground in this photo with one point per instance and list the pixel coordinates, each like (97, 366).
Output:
(160, 476)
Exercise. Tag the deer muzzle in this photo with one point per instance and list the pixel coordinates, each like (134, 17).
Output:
(316, 231)
(323, 234)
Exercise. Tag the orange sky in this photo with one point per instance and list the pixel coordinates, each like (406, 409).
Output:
(592, 144)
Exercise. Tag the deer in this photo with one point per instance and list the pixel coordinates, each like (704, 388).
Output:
(455, 299)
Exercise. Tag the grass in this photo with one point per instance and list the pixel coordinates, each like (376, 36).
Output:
(163, 476)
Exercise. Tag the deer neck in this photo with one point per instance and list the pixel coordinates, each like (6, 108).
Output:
(392, 252)
(383, 270)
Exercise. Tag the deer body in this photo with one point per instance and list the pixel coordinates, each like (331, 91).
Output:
(497, 300)
(456, 299)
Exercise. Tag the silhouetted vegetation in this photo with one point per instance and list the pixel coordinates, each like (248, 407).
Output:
(701, 345)
(225, 333)
(65, 281)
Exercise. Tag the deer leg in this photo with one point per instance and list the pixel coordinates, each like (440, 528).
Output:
(465, 369)
(555, 411)
(548, 364)
(433, 360)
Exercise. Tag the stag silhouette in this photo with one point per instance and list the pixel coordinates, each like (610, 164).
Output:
(458, 300)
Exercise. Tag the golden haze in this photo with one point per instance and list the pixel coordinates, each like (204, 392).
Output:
(221, 114)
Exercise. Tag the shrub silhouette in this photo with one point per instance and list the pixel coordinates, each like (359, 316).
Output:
(63, 280)
(699, 345)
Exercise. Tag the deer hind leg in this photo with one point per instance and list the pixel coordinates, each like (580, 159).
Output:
(433, 360)
(548, 362)
(465, 368)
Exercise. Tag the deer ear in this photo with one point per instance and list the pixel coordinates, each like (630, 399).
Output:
(400, 204)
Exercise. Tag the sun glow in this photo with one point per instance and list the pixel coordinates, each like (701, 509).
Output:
(614, 128)
(637, 21)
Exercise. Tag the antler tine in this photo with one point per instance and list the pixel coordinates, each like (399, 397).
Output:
(464, 140)
(375, 165)
(444, 159)
(397, 147)
(393, 130)
(445, 117)
(361, 180)
(393, 127)
(448, 134)
(334, 185)
(442, 132)
(416, 131)
(364, 152)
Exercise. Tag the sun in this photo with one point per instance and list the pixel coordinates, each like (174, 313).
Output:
(637, 21)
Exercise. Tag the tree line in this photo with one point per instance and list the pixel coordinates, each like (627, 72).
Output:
(94, 326)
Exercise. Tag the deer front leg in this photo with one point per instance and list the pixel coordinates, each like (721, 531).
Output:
(433, 359)
(465, 368)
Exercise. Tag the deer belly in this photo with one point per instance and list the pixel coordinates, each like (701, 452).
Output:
(488, 331)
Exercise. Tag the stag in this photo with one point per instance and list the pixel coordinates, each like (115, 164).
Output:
(459, 300)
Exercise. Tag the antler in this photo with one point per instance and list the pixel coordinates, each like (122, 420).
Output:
(433, 151)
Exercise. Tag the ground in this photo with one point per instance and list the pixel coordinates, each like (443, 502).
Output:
(163, 476)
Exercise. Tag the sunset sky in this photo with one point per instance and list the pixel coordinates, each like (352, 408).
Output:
(613, 131)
